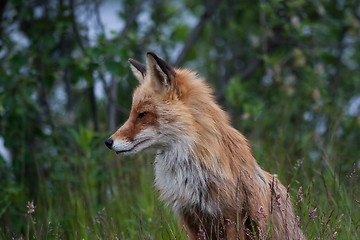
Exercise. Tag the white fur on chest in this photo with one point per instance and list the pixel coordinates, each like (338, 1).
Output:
(182, 183)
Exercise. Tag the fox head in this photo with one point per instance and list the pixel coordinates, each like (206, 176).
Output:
(161, 114)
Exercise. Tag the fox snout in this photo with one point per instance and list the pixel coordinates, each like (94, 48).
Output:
(109, 142)
(130, 139)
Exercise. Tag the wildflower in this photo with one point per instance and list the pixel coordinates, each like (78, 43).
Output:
(312, 214)
(298, 221)
(201, 233)
(31, 207)
(352, 173)
(299, 196)
(334, 235)
(277, 200)
(249, 233)
(261, 211)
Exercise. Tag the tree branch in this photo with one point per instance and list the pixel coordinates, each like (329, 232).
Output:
(210, 8)
(112, 102)
(75, 28)
(97, 15)
(131, 19)
(2, 10)
(112, 98)
(93, 107)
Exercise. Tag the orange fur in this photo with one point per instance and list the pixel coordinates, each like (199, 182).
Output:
(204, 167)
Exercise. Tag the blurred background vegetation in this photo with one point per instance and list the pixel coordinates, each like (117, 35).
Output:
(286, 71)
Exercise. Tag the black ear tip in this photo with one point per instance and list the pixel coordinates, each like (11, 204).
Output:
(138, 65)
(152, 54)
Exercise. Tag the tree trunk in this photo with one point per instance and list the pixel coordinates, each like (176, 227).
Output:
(112, 102)
(93, 106)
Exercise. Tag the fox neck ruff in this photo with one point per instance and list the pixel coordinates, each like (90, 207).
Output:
(182, 182)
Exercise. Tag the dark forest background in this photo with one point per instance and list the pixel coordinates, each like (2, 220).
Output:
(286, 71)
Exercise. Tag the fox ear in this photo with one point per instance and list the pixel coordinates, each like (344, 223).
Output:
(161, 73)
(138, 69)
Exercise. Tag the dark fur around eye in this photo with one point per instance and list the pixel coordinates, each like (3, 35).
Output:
(141, 115)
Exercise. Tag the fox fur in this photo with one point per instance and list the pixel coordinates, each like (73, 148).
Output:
(204, 168)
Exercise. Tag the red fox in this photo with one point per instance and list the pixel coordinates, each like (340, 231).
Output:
(204, 168)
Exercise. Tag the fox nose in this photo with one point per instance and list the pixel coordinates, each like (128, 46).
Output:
(109, 143)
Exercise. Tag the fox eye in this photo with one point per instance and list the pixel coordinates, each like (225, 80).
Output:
(141, 115)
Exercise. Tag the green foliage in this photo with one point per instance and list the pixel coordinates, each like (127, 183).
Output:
(287, 71)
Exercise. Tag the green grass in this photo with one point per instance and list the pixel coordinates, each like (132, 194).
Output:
(122, 206)
(87, 192)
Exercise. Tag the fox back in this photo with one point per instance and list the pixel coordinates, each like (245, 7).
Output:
(204, 168)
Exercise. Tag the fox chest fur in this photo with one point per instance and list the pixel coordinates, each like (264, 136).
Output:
(182, 183)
